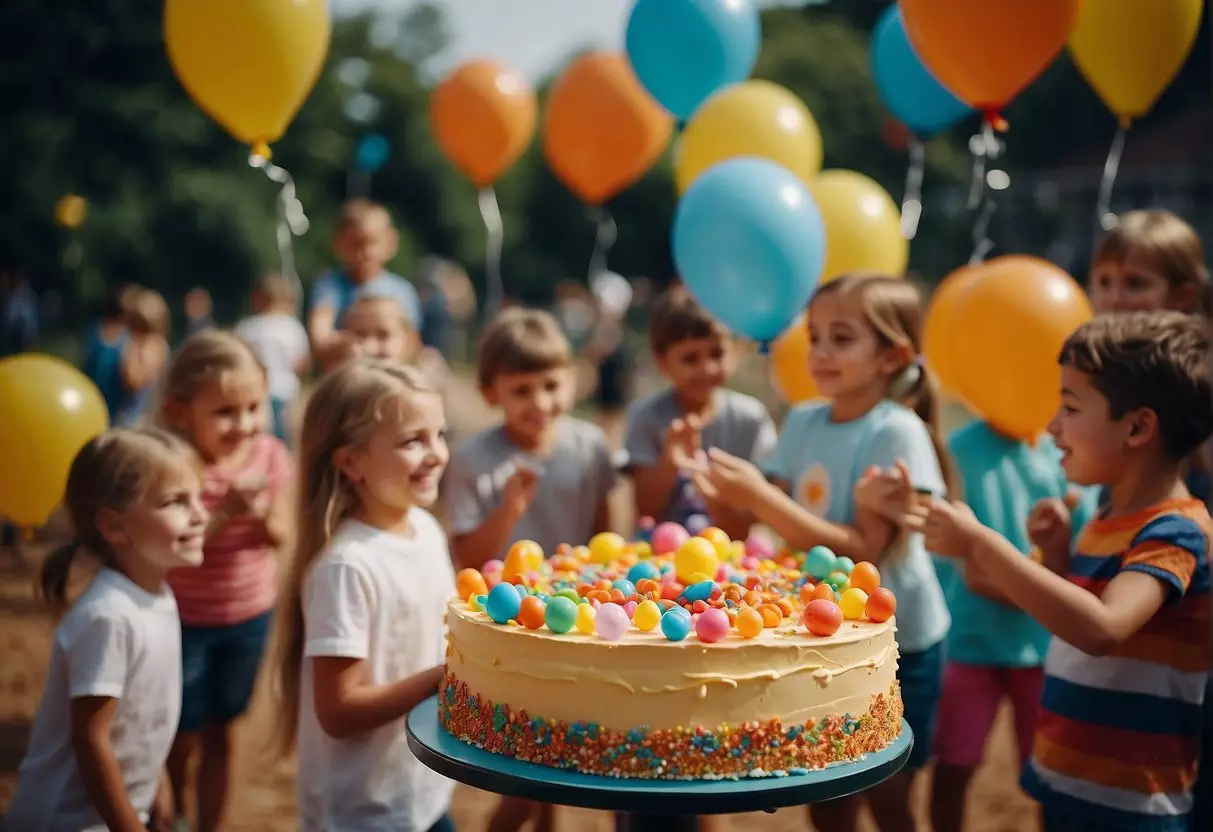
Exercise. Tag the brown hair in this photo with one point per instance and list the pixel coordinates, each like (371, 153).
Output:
(678, 317)
(274, 291)
(892, 306)
(146, 312)
(203, 358)
(344, 411)
(1157, 360)
(112, 471)
(358, 211)
(521, 340)
(1167, 243)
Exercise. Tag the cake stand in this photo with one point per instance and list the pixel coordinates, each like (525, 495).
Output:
(644, 805)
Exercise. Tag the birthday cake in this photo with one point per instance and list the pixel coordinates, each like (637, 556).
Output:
(686, 658)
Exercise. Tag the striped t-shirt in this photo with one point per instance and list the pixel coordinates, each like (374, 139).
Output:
(1117, 736)
(238, 578)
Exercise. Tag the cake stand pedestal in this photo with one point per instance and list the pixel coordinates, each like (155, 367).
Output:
(644, 805)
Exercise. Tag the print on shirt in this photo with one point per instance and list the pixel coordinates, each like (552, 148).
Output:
(813, 490)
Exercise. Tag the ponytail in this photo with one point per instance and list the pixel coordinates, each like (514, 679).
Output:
(915, 388)
(52, 580)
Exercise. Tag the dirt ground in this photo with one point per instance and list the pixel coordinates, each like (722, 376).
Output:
(264, 798)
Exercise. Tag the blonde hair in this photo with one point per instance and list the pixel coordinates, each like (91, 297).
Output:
(892, 306)
(112, 471)
(344, 410)
(203, 359)
(1167, 243)
(147, 313)
(274, 291)
(521, 340)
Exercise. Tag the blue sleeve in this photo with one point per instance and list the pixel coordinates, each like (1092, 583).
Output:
(326, 291)
(797, 427)
(904, 436)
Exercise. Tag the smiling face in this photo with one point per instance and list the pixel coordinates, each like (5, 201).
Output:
(848, 359)
(225, 412)
(163, 529)
(532, 402)
(401, 464)
(696, 367)
(1092, 443)
(1131, 284)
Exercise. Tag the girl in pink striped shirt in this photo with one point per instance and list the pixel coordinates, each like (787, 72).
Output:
(215, 398)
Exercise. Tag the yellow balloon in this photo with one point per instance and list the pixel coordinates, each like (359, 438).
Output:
(790, 364)
(71, 211)
(50, 410)
(249, 64)
(863, 226)
(753, 118)
(1130, 51)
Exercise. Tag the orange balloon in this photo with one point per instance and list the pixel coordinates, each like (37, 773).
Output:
(601, 130)
(986, 51)
(937, 333)
(1008, 327)
(483, 117)
(790, 364)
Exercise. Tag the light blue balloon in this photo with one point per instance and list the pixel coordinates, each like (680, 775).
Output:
(750, 245)
(684, 50)
(907, 87)
(372, 153)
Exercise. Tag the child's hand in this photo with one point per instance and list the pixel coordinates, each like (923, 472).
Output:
(249, 497)
(162, 814)
(888, 493)
(1050, 525)
(520, 488)
(683, 446)
(948, 528)
(729, 479)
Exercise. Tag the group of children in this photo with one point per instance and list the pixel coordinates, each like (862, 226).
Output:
(1069, 575)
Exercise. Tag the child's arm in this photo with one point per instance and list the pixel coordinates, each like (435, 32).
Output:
(740, 483)
(1095, 624)
(485, 538)
(99, 769)
(655, 480)
(347, 705)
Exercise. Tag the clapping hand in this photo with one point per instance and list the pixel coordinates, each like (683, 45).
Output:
(948, 528)
(888, 493)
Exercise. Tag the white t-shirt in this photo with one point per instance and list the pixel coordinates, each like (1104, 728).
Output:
(280, 341)
(382, 598)
(116, 641)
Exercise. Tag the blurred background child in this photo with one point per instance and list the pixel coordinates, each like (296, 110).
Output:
(144, 355)
(214, 398)
(280, 342)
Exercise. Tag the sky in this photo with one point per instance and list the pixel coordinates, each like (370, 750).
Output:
(534, 36)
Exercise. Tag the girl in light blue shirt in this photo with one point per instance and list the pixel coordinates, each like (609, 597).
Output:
(865, 333)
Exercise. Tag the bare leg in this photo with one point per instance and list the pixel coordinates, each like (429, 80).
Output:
(546, 820)
(890, 803)
(840, 815)
(512, 814)
(949, 790)
(214, 774)
(184, 747)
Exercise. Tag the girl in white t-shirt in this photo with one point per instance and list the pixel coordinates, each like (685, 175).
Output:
(113, 692)
(280, 342)
(362, 638)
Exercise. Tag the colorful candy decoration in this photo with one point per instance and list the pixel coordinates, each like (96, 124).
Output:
(708, 586)
(667, 538)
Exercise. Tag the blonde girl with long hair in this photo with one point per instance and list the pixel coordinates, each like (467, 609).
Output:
(109, 710)
(881, 412)
(361, 635)
(214, 397)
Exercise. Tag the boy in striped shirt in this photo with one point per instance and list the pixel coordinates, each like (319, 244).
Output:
(1120, 723)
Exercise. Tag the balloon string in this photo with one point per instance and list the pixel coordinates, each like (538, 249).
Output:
(1111, 167)
(490, 212)
(911, 204)
(605, 234)
(292, 222)
(986, 148)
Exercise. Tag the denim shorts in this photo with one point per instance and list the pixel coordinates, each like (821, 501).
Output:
(219, 667)
(279, 409)
(921, 678)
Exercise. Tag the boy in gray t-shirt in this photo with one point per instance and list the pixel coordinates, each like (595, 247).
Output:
(542, 475)
(665, 431)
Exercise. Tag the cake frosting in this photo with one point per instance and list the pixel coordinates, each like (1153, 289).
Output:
(774, 701)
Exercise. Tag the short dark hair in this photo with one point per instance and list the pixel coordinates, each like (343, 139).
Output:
(521, 340)
(1157, 360)
(678, 317)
